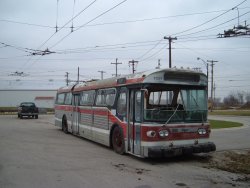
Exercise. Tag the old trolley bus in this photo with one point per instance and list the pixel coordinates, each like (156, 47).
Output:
(148, 114)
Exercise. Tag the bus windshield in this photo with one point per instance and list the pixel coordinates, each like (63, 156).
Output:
(176, 105)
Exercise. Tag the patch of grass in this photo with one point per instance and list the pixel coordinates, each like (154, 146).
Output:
(218, 124)
(231, 112)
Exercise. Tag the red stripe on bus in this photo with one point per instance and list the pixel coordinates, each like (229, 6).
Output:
(63, 107)
(172, 136)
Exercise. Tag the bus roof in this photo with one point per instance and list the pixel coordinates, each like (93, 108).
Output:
(161, 76)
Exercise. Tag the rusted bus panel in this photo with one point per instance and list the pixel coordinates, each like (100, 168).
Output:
(65, 89)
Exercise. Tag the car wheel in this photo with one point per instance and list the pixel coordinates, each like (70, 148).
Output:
(36, 116)
(21, 117)
(118, 140)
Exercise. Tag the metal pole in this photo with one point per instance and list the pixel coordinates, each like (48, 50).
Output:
(133, 62)
(212, 81)
(170, 39)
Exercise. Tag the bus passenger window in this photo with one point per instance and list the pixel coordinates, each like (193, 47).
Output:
(110, 97)
(60, 98)
(87, 97)
(121, 104)
(68, 99)
(100, 100)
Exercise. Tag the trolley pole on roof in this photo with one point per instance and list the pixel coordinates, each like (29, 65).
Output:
(170, 40)
(133, 62)
(116, 64)
(102, 72)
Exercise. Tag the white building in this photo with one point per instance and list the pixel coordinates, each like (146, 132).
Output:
(42, 98)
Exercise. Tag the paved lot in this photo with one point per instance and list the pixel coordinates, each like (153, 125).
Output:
(36, 154)
(232, 138)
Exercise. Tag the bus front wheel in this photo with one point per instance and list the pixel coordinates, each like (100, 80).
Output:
(118, 140)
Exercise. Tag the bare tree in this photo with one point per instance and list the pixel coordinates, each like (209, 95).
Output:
(247, 97)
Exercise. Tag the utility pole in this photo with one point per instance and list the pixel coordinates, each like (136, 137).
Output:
(212, 81)
(133, 62)
(102, 72)
(170, 40)
(116, 64)
(78, 74)
(67, 78)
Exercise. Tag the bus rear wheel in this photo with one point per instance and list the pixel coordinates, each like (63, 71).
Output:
(118, 140)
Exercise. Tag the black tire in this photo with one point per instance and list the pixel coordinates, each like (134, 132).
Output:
(36, 116)
(21, 117)
(65, 125)
(118, 140)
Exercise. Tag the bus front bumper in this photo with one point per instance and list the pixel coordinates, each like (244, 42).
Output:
(179, 150)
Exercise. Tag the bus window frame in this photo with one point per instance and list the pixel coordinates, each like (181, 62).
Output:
(63, 101)
(69, 101)
(93, 92)
(105, 93)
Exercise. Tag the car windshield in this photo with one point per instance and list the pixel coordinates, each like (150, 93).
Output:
(176, 105)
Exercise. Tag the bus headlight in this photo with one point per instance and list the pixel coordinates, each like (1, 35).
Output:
(163, 133)
(151, 133)
(202, 131)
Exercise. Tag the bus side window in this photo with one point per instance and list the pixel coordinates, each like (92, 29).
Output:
(110, 97)
(60, 98)
(122, 104)
(68, 99)
(100, 99)
(87, 97)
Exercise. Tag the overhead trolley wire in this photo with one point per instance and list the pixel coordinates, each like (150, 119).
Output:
(206, 22)
(68, 22)
(116, 22)
(213, 26)
(103, 13)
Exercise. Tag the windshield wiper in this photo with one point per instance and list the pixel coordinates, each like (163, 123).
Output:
(172, 114)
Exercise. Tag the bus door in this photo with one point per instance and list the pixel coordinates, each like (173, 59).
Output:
(134, 125)
(75, 114)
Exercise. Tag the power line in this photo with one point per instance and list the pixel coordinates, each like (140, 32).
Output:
(192, 28)
(215, 25)
(103, 13)
(148, 51)
(78, 14)
(111, 23)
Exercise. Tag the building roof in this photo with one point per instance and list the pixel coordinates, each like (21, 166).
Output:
(44, 98)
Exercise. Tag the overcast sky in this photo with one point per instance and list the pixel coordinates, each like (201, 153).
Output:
(104, 30)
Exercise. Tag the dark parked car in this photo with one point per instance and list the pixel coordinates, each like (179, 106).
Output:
(28, 109)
